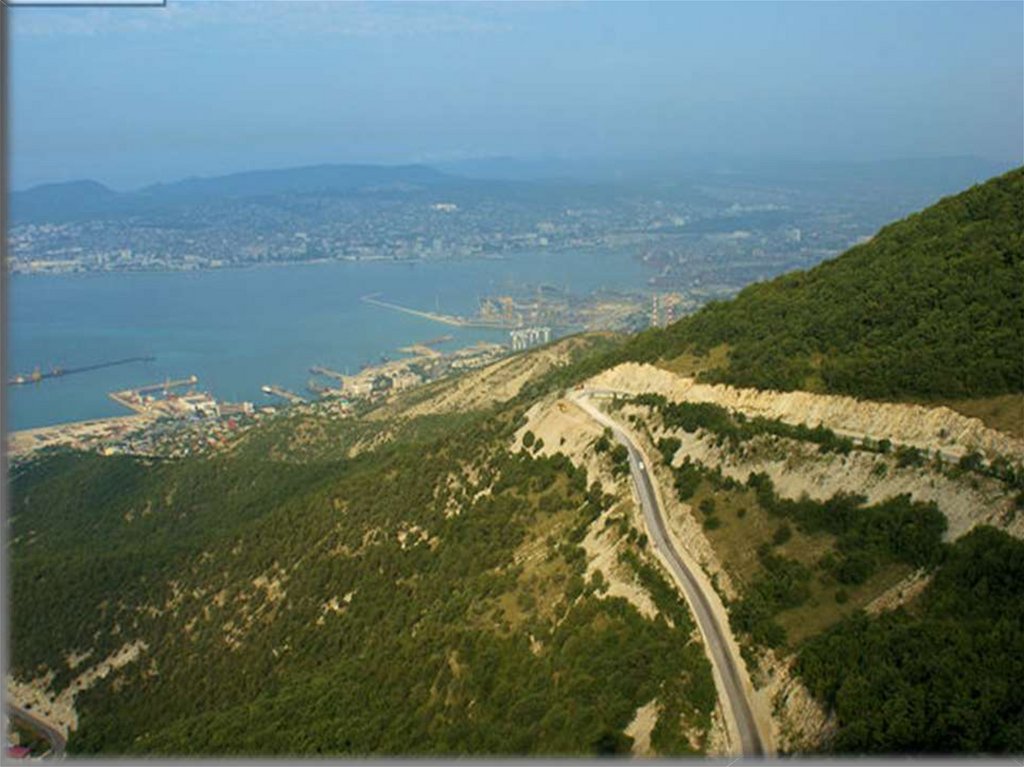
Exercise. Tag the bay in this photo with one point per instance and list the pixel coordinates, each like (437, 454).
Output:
(237, 329)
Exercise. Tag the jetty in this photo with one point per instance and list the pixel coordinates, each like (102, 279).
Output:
(37, 375)
(136, 399)
(283, 393)
(320, 370)
(446, 319)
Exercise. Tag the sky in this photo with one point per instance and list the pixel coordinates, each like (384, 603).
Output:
(131, 96)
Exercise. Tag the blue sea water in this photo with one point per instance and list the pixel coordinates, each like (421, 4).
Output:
(238, 329)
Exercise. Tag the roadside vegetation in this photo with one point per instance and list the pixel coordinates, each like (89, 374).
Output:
(839, 544)
(732, 429)
(929, 677)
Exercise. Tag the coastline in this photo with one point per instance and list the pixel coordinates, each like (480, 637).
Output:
(72, 433)
(283, 263)
(240, 327)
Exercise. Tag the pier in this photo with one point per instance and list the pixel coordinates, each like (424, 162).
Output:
(320, 370)
(318, 388)
(283, 393)
(136, 399)
(167, 385)
(446, 319)
(420, 351)
(36, 375)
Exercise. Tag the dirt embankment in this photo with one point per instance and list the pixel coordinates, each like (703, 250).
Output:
(640, 728)
(937, 428)
(563, 427)
(799, 722)
(798, 468)
(899, 594)
(58, 709)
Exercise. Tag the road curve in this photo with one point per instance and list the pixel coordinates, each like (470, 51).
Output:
(57, 741)
(722, 658)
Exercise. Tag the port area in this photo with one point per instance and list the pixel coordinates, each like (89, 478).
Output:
(424, 365)
(167, 423)
(171, 419)
(145, 400)
(525, 306)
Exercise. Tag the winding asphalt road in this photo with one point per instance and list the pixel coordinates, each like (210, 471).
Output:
(725, 663)
(56, 740)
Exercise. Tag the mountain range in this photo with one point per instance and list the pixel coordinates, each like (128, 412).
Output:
(519, 178)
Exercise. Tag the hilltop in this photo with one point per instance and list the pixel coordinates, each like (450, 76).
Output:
(931, 307)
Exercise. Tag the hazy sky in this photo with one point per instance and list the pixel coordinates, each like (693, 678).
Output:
(131, 96)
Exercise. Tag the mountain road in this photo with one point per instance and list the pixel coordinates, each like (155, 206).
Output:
(730, 671)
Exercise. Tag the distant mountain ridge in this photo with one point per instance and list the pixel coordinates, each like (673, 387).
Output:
(516, 179)
(71, 198)
(82, 199)
(312, 178)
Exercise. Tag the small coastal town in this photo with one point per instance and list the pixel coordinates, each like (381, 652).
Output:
(176, 418)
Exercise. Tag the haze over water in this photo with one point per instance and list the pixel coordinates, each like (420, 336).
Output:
(238, 329)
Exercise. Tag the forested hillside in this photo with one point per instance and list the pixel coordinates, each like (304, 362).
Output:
(932, 306)
(377, 605)
(942, 676)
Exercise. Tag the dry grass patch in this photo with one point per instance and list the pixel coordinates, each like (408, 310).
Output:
(745, 527)
(821, 610)
(689, 364)
(1005, 413)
